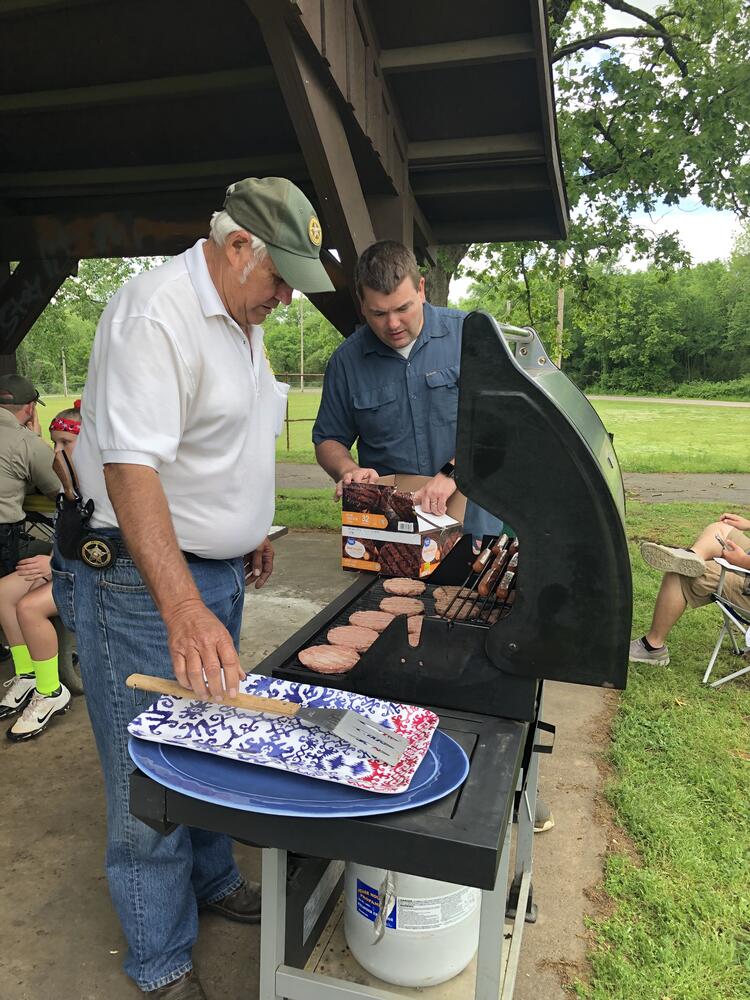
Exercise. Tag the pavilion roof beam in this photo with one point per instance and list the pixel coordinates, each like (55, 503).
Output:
(482, 180)
(324, 143)
(25, 295)
(451, 55)
(131, 91)
(69, 182)
(166, 228)
(521, 147)
(11, 8)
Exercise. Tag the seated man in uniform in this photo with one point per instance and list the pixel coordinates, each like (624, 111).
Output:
(392, 386)
(25, 464)
(690, 578)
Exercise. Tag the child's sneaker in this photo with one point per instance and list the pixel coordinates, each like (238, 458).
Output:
(38, 714)
(19, 690)
(669, 559)
(640, 653)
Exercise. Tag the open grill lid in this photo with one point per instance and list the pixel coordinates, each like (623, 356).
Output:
(532, 450)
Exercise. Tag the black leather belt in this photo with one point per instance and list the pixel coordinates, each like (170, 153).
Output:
(100, 551)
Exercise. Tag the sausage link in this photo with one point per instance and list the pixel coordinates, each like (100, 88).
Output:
(489, 581)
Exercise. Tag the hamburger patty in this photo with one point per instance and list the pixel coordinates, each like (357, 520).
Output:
(328, 659)
(402, 606)
(353, 637)
(453, 598)
(376, 620)
(414, 627)
(403, 588)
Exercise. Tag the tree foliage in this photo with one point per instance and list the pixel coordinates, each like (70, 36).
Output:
(650, 110)
(642, 331)
(69, 322)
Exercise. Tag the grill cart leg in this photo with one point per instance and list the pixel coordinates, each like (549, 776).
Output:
(525, 840)
(490, 972)
(273, 921)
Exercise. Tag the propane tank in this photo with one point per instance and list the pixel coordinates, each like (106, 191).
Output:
(407, 930)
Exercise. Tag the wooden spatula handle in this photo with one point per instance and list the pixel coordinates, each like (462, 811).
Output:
(159, 685)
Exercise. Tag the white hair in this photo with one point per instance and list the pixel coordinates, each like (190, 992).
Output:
(222, 225)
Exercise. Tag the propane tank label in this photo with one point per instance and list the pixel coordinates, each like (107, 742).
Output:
(434, 913)
(368, 904)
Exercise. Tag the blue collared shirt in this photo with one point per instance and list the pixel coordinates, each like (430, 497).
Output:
(400, 411)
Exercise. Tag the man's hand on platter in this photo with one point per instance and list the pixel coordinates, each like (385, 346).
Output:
(259, 565)
(202, 651)
(434, 495)
(355, 476)
(735, 555)
(741, 523)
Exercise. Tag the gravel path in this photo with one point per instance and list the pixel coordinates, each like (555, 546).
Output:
(652, 487)
(675, 402)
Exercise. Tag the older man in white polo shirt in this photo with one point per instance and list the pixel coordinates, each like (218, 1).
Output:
(179, 419)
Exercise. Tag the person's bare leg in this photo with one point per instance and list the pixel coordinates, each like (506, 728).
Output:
(670, 604)
(12, 588)
(706, 545)
(34, 613)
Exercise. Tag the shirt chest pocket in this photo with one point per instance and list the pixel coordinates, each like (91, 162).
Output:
(442, 392)
(376, 412)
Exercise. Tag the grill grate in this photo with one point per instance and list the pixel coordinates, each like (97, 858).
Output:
(481, 612)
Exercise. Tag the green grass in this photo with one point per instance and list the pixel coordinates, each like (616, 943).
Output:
(649, 437)
(681, 926)
(663, 437)
(308, 509)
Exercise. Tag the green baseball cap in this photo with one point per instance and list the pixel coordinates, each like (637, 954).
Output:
(276, 211)
(17, 389)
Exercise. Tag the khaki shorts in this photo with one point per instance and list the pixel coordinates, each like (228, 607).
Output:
(697, 590)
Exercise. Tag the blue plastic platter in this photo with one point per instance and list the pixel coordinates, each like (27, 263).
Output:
(226, 782)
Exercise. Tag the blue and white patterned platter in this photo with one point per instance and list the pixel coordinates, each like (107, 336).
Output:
(290, 744)
(228, 783)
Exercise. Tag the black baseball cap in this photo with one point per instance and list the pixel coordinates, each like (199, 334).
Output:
(17, 389)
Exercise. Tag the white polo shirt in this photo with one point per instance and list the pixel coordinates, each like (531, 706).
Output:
(174, 384)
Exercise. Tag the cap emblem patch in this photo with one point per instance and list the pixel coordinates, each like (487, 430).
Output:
(314, 231)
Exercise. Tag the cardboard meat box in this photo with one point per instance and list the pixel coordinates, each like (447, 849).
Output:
(382, 532)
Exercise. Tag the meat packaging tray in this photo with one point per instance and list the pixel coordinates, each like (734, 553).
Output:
(290, 744)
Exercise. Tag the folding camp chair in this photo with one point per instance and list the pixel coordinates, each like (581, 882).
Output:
(736, 622)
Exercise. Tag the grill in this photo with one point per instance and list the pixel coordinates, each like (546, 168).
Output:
(531, 450)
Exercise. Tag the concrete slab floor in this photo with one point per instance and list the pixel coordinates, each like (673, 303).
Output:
(61, 938)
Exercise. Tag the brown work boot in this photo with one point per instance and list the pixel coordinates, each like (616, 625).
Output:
(242, 905)
(187, 987)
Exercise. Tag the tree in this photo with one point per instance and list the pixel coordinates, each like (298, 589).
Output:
(69, 321)
(649, 110)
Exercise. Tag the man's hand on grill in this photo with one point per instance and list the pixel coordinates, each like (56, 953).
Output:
(434, 495)
(259, 565)
(355, 476)
(202, 651)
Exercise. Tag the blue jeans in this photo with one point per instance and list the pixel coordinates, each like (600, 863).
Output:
(156, 883)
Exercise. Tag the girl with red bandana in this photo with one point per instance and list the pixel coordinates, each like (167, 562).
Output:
(26, 607)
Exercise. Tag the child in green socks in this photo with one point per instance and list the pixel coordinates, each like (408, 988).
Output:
(26, 607)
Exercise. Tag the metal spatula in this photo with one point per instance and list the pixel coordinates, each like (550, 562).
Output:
(370, 737)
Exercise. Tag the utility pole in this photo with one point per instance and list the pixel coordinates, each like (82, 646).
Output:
(302, 343)
(64, 374)
(560, 314)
